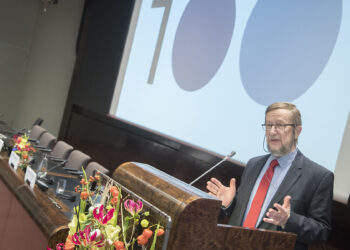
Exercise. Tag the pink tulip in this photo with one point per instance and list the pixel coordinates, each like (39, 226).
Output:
(133, 207)
(84, 238)
(100, 217)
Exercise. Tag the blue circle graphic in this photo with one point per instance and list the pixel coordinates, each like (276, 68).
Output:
(286, 45)
(201, 41)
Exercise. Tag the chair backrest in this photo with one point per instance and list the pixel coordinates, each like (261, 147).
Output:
(77, 159)
(47, 140)
(36, 132)
(61, 150)
(92, 166)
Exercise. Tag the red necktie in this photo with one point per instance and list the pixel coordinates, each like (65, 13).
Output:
(259, 197)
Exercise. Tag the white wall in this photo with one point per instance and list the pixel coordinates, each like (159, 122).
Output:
(50, 65)
(17, 21)
(42, 53)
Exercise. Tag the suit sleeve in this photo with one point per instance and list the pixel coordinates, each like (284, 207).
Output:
(315, 226)
(229, 209)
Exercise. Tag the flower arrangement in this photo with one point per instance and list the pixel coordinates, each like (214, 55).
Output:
(23, 149)
(106, 220)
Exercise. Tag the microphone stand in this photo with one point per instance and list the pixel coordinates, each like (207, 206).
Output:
(57, 165)
(213, 167)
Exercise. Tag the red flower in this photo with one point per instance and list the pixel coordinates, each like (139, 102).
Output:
(85, 238)
(101, 217)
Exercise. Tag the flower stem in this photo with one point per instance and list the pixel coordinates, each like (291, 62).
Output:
(123, 233)
(132, 231)
(118, 206)
(153, 246)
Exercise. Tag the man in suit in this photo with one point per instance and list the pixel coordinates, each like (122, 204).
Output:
(283, 190)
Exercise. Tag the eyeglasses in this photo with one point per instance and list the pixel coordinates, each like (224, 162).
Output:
(279, 127)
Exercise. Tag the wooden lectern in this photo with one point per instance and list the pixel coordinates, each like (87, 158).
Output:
(194, 213)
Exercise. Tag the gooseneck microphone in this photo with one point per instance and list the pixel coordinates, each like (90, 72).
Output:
(213, 167)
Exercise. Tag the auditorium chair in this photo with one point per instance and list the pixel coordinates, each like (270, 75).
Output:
(77, 160)
(47, 140)
(61, 150)
(36, 132)
(94, 166)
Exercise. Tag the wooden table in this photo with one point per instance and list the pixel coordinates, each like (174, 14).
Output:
(28, 218)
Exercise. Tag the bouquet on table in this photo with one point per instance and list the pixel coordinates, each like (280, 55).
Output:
(106, 220)
(23, 149)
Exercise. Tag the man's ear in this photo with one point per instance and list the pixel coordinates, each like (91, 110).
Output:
(297, 131)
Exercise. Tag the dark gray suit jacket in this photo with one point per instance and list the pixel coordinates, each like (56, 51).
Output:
(311, 188)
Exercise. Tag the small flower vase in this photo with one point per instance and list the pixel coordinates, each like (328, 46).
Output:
(23, 163)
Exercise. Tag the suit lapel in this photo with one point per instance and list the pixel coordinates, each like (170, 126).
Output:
(250, 180)
(255, 171)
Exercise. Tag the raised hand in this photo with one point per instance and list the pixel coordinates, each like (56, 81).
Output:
(281, 215)
(223, 193)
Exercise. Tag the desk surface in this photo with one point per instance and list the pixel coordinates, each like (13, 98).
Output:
(58, 172)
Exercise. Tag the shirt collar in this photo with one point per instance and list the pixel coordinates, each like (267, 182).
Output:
(286, 160)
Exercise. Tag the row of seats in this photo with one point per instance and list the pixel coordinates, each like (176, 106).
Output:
(76, 159)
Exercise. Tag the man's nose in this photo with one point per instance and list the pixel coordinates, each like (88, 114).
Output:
(273, 129)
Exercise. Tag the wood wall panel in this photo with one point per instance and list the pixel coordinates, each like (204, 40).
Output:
(112, 142)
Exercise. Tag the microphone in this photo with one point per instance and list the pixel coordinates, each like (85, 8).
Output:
(213, 167)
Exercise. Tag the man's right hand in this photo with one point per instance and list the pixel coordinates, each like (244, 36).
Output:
(223, 193)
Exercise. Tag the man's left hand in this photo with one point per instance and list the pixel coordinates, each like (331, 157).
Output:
(280, 215)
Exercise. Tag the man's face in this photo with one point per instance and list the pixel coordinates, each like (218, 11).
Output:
(281, 141)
